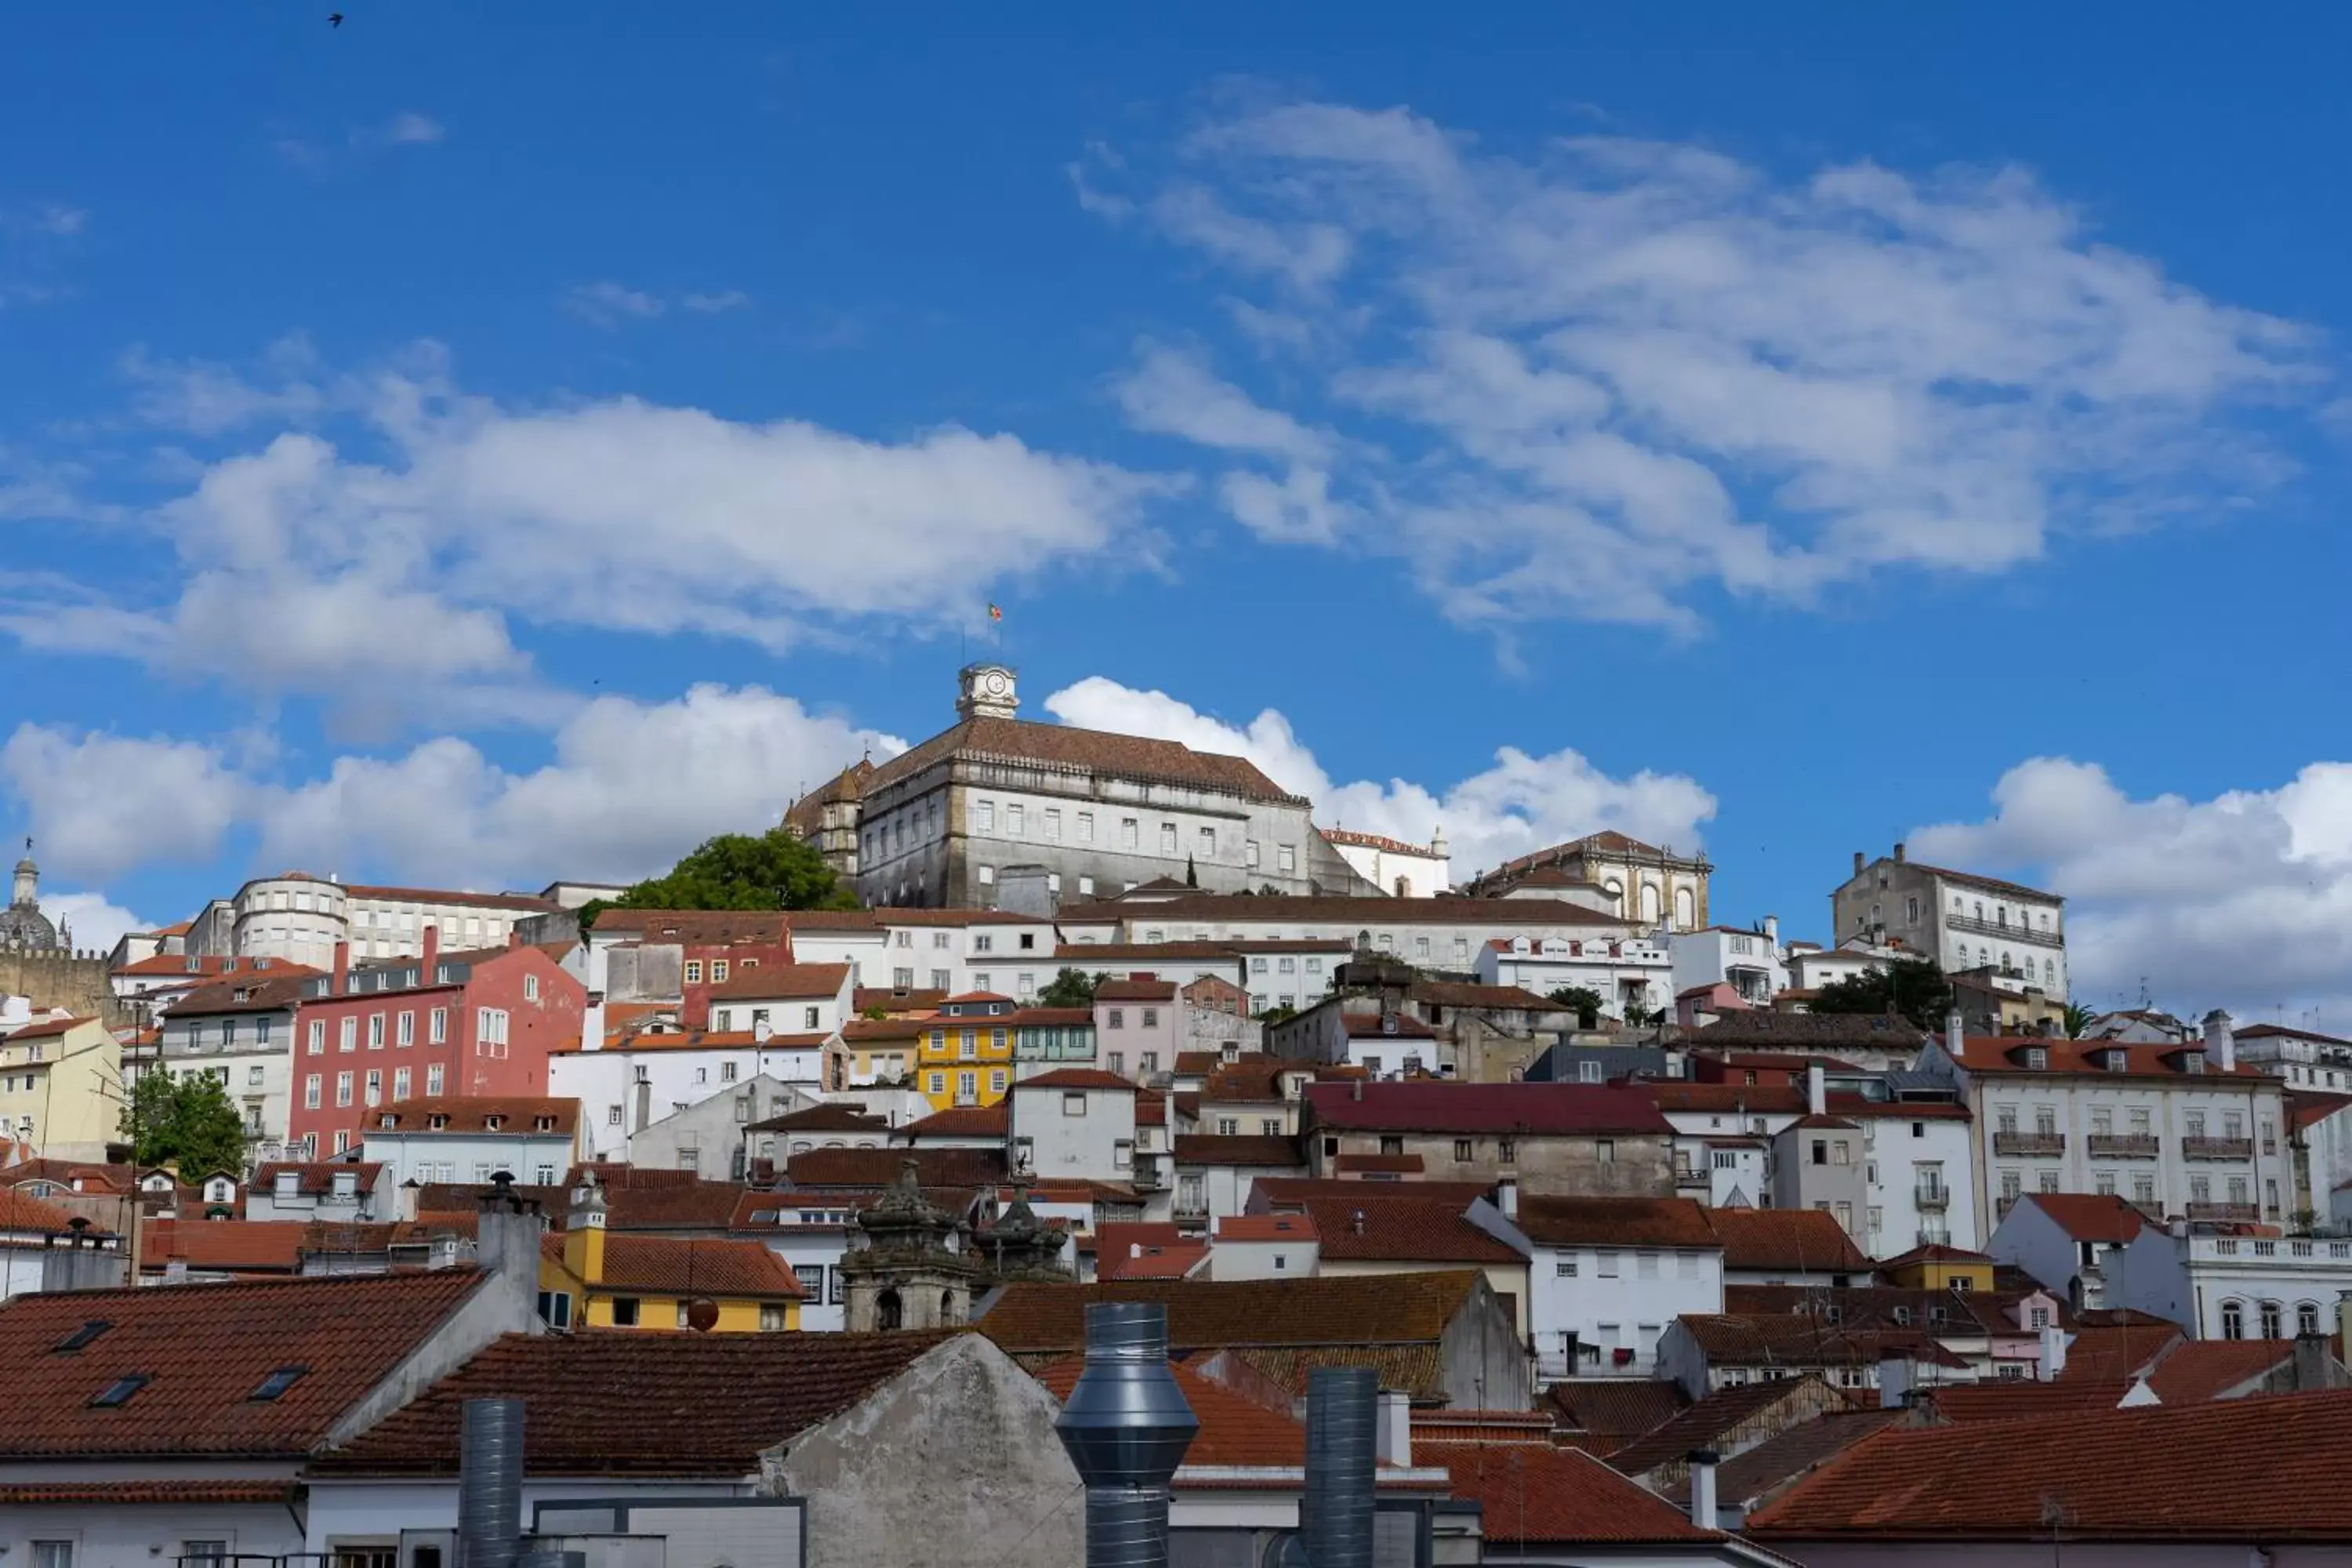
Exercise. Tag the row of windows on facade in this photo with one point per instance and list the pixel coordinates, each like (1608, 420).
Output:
(490, 1031)
(2141, 1122)
(628, 1313)
(722, 1019)
(2272, 1316)
(893, 837)
(1604, 1263)
(313, 1085)
(2143, 1188)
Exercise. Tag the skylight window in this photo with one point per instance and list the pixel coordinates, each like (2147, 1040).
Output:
(81, 1336)
(279, 1381)
(118, 1393)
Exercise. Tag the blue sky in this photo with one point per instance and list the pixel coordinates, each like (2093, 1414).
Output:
(478, 445)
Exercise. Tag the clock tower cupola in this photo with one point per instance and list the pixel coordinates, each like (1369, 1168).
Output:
(987, 693)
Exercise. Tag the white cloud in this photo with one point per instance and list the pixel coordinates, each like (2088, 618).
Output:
(607, 304)
(715, 303)
(2243, 900)
(1174, 393)
(1522, 802)
(410, 129)
(103, 804)
(1609, 376)
(628, 787)
(383, 569)
(94, 921)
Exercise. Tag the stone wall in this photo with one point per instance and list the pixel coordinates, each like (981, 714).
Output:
(74, 981)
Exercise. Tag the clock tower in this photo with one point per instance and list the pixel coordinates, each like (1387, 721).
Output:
(987, 693)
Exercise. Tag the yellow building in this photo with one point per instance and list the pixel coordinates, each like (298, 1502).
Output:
(882, 1050)
(966, 1053)
(61, 1089)
(1938, 1268)
(590, 1278)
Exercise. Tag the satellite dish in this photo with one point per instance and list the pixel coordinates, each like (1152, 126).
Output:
(702, 1314)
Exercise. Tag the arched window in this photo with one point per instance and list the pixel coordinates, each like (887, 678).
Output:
(1404, 887)
(2005, 961)
(2049, 971)
(2000, 915)
(2307, 1317)
(1616, 891)
(1649, 902)
(889, 1314)
(946, 1307)
(2273, 1322)
(1685, 910)
(2233, 1320)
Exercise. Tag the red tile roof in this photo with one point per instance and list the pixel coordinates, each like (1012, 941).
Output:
(827, 1118)
(639, 1402)
(1089, 751)
(1733, 1099)
(316, 1177)
(45, 1028)
(2091, 1216)
(788, 981)
(1267, 1152)
(2088, 1478)
(471, 1113)
(693, 928)
(1615, 1222)
(2196, 1370)
(896, 1000)
(1146, 1252)
(1934, 1252)
(206, 1349)
(1264, 1227)
(1076, 1077)
(1328, 1310)
(1526, 1109)
(1614, 1410)
(2113, 1353)
(1739, 1407)
(111, 1494)
(2012, 1399)
(1234, 1431)
(676, 1266)
(961, 1122)
(225, 1246)
(871, 1031)
(2006, 1053)
(880, 1167)
(1136, 991)
(1790, 1240)
(1401, 1228)
(21, 1213)
(530, 902)
(1462, 993)
(1792, 1340)
(1533, 1494)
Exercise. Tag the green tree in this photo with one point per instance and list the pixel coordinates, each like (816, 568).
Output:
(188, 1123)
(2078, 1018)
(775, 870)
(1914, 987)
(1280, 1013)
(1586, 1002)
(1071, 988)
(1191, 873)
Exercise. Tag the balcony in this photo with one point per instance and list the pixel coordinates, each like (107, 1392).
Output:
(2224, 1211)
(2124, 1146)
(2028, 1143)
(2216, 1148)
(1689, 1180)
(2009, 933)
(1931, 1195)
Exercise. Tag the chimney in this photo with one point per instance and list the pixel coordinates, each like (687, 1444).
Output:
(1955, 1033)
(1230, 1051)
(428, 968)
(1817, 1089)
(1894, 1381)
(505, 1245)
(2053, 1353)
(2221, 1045)
(1335, 1515)
(1126, 1426)
(1396, 1428)
(1357, 1088)
(404, 1201)
(489, 1483)
(1898, 852)
(2312, 1372)
(1772, 930)
(175, 1271)
(342, 981)
(1857, 871)
(1506, 1197)
(1702, 1488)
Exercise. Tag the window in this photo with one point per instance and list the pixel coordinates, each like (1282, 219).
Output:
(694, 971)
(2307, 1317)
(988, 875)
(1605, 1150)
(2272, 1320)
(1151, 1018)
(624, 1311)
(278, 1381)
(1285, 858)
(1228, 1126)
(347, 1035)
(1821, 1150)
(1117, 1018)
(437, 1027)
(53, 1554)
(1507, 1150)
(1462, 1149)
(118, 1393)
(1130, 833)
(1074, 1105)
(1167, 838)
(2144, 1189)
(400, 1083)
(1564, 1266)
(310, 1092)
(1250, 853)
(1085, 828)
(434, 1078)
(1208, 841)
(1605, 1265)
(342, 1088)
(983, 816)
(1841, 1153)
(1646, 1265)
(718, 971)
(318, 1037)
(375, 1086)
(530, 987)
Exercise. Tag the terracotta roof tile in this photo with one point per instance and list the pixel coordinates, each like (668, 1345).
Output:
(472, 1113)
(1531, 1110)
(1208, 1149)
(896, 999)
(1262, 1227)
(694, 928)
(1615, 1222)
(1794, 1240)
(2196, 1370)
(1234, 1431)
(1064, 746)
(1076, 1077)
(225, 1246)
(1136, 991)
(961, 1122)
(1146, 1252)
(1764, 1471)
(1328, 1310)
(880, 1167)
(1303, 909)
(674, 1266)
(2091, 1473)
(2102, 1352)
(1461, 993)
(206, 1349)
(1700, 1424)
(827, 1118)
(2091, 1216)
(1616, 1410)
(2012, 1399)
(21, 1212)
(787, 981)
(1534, 1494)
(317, 1177)
(699, 1405)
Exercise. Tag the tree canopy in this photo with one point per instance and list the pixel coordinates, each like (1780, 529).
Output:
(1914, 987)
(1071, 988)
(775, 870)
(187, 1123)
(1584, 1001)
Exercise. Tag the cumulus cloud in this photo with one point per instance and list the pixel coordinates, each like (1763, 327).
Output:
(409, 129)
(96, 922)
(627, 787)
(2243, 900)
(1522, 802)
(1609, 375)
(607, 305)
(378, 554)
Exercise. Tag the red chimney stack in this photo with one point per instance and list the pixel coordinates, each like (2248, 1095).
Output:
(430, 971)
(342, 969)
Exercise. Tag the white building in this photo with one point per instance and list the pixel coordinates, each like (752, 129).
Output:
(1606, 1276)
(2072, 1244)
(2234, 1287)
(1960, 920)
(2181, 1130)
(1072, 1124)
(472, 1138)
(1631, 974)
(1434, 933)
(711, 1137)
(1810, 968)
(1406, 871)
(241, 1031)
(1648, 884)
(336, 1191)
(1752, 963)
(1263, 1247)
(802, 998)
(295, 915)
(630, 1084)
(952, 951)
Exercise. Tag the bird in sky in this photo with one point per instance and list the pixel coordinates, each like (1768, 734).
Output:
(334, 18)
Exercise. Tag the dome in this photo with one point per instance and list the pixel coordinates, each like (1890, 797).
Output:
(22, 923)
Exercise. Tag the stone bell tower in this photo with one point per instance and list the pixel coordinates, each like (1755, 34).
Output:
(907, 1267)
(987, 691)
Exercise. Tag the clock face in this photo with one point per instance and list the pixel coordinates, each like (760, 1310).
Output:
(995, 683)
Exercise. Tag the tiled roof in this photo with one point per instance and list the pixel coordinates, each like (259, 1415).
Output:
(1194, 951)
(273, 992)
(1399, 1228)
(2090, 1476)
(2006, 1053)
(21, 1213)
(2091, 1216)
(665, 1264)
(1251, 1078)
(2013, 1399)
(1461, 993)
(204, 1350)
(1795, 1339)
(1934, 1252)
(1990, 884)
(529, 902)
(1380, 1164)
(1528, 1110)
(1145, 1252)
(2306, 1108)
(895, 999)
(1533, 1494)
(1615, 1222)
(875, 1031)
(1264, 1227)
(225, 1246)
(1889, 1306)
(1076, 1077)
(1293, 908)
(2113, 1353)
(1234, 1431)
(317, 1177)
(1297, 1192)
(1136, 991)
(1854, 1105)
(1795, 1241)
(1206, 1149)
(1096, 751)
(790, 981)
(179, 966)
(1726, 1099)
(2196, 1371)
(1374, 841)
(1699, 1425)
(1758, 1027)
(692, 1205)
(880, 1167)
(827, 1118)
(47, 1028)
(961, 1122)
(115, 1494)
(1615, 1410)
(687, 1403)
(472, 1113)
(1769, 1468)
(694, 928)
(1328, 1310)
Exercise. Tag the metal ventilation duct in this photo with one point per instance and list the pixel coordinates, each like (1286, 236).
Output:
(1343, 1406)
(1126, 1426)
(489, 1484)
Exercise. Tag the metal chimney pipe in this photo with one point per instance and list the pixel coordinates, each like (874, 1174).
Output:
(1126, 1426)
(489, 1483)
(1342, 1441)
